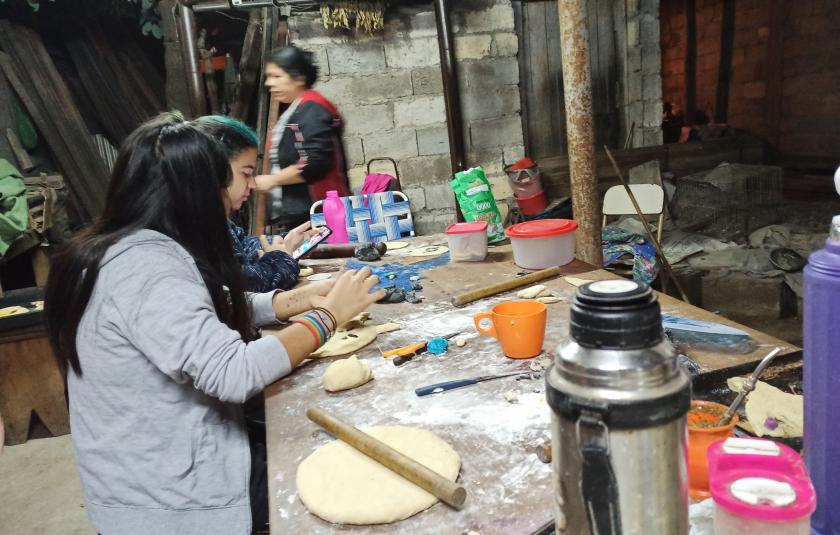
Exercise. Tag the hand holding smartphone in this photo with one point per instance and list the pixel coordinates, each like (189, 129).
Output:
(311, 242)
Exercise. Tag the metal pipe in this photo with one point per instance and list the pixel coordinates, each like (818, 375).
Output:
(451, 93)
(217, 5)
(189, 53)
(577, 85)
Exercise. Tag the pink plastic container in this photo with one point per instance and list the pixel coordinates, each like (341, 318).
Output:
(467, 241)
(543, 243)
(336, 216)
(759, 486)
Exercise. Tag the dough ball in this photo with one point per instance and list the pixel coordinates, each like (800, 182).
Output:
(342, 485)
(538, 290)
(346, 374)
(550, 300)
(305, 272)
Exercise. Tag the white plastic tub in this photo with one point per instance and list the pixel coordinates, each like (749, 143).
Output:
(543, 243)
(467, 241)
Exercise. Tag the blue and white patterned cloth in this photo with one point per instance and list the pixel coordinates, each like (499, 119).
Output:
(275, 270)
(617, 242)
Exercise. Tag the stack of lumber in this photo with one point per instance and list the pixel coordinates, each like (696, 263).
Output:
(46, 97)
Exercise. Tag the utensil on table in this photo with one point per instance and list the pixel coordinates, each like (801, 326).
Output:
(460, 383)
(430, 481)
(748, 386)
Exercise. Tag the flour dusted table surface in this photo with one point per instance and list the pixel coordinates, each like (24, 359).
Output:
(508, 487)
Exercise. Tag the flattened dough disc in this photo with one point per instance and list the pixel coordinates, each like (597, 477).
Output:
(394, 245)
(352, 337)
(342, 485)
(431, 250)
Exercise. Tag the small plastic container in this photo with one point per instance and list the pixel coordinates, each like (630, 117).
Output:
(467, 241)
(759, 486)
(532, 204)
(543, 243)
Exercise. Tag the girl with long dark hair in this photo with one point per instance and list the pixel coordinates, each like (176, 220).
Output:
(147, 314)
(265, 265)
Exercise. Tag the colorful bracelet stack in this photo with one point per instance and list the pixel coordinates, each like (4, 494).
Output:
(320, 322)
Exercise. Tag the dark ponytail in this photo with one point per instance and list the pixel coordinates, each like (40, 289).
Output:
(168, 177)
(296, 62)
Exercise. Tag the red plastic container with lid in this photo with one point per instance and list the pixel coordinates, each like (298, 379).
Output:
(759, 486)
(467, 241)
(543, 243)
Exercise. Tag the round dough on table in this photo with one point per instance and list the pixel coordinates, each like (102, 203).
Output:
(431, 250)
(342, 485)
(538, 290)
(394, 245)
(305, 272)
(346, 374)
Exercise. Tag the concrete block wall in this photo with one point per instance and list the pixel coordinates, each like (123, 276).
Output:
(642, 70)
(388, 87)
(810, 69)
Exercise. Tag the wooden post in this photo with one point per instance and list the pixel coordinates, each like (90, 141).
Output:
(690, 105)
(727, 40)
(577, 86)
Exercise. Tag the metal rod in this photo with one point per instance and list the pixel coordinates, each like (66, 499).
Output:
(577, 93)
(451, 93)
(189, 53)
(748, 386)
(217, 5)
(650, 234)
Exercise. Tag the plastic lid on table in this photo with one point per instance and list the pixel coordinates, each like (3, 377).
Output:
(760, 481)
(542, 228)
(467, 228)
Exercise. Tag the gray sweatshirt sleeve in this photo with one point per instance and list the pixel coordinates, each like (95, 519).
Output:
(262, 308)
(169, 316)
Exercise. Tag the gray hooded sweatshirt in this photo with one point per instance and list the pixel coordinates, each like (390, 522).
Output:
(156, 415)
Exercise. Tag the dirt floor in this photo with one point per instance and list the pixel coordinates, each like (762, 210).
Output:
(40, 492)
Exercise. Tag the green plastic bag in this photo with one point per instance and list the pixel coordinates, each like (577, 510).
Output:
(475, 197)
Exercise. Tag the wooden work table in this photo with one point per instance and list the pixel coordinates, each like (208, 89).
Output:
(509, 490)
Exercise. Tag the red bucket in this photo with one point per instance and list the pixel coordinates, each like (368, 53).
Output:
(532, 204)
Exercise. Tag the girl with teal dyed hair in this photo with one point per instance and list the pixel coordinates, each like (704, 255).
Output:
(267, 265)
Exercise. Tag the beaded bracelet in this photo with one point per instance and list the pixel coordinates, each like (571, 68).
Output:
(329, 315)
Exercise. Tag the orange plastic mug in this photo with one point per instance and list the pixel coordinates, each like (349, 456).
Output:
(518, 325)
(703, 430)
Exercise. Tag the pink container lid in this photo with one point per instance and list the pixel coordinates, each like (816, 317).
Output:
(467, 228)
(542, 228)
(760, 479)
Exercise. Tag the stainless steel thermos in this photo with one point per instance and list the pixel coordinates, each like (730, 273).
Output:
(619, 401)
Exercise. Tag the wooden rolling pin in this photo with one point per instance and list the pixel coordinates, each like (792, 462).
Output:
(499, 287)
(340, 250)
(428, 480)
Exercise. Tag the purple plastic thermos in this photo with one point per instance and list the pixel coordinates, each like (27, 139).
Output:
(336, 217)
(821, 360)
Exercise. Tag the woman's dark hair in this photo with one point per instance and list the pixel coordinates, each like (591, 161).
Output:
(168, 177)
(296, 63)
(232, 134)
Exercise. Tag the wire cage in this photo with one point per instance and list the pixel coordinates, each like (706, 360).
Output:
(729, 201)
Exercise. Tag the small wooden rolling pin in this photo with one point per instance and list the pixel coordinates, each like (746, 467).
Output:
(428, 480)
(499, 287)
(340, 250)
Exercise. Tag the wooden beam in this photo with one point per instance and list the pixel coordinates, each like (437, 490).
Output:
(727, 41)
(690, 105)
(775, 57)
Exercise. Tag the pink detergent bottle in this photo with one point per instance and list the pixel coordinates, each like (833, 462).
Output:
(336, 217)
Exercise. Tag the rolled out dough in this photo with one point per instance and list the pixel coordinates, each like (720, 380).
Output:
(394, 245)
(305, 272)
(538, 290)
(342, 485)
(346, 374)
(431, 250)
(352, 336)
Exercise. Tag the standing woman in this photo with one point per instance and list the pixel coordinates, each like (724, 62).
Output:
(147, 314)
(305, 147)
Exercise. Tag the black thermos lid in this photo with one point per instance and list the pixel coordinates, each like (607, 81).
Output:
(615, 314)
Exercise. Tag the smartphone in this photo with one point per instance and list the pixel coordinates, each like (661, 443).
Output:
(311, 242)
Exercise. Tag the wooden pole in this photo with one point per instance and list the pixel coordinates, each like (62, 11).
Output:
(690, 105)
(577, 85)
(727, 40)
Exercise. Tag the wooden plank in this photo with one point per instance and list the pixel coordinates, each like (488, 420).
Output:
(775, 53)
(727, 41)
(690, 105)
(494, 438)
(538, 95)
(250, 66)
(22, 157)
(557, 105)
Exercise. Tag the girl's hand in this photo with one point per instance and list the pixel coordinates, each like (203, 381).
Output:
(295, 237)
(350, 295)
(265, 183)
(277, 244)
